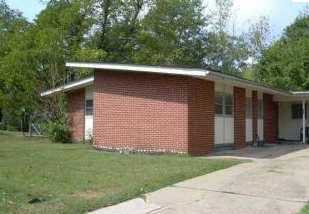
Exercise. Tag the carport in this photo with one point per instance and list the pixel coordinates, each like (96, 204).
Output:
(292, 116)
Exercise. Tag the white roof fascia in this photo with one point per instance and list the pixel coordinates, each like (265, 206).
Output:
(70, 86)
(179, 71)
(295, 96)
(300, 93)
(199, 73)
(139, 68)
(248, 83)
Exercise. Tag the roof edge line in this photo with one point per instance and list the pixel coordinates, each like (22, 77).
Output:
(249, 82)
(68, 86)
(140, 68)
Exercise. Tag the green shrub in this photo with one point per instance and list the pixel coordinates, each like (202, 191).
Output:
(57, 131)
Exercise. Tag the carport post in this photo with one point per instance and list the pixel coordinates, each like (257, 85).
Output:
(304, 122)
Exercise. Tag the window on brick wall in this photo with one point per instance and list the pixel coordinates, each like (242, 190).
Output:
(89, 107)
(260, 109)
(297, 111)
(224, 103)
(249, 107)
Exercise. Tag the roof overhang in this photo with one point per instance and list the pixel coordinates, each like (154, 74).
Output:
(70, 86)
(293, 96)
(198, 73)
(139, 68)
(244, 83)
(280, 95)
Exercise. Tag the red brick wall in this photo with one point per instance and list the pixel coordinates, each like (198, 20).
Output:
(254, 115)
(270, 118)
(239, 117)
(201, 116)
(76, 114)
(140, 111)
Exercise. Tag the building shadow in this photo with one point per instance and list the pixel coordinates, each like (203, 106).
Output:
(268, 151)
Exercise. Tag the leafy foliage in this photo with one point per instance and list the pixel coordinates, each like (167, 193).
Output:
(57, 131)
(176, 37)
(285, 63)
(157, 32)
(225, 51)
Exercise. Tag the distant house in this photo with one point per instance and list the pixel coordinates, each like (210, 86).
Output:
(163, 109)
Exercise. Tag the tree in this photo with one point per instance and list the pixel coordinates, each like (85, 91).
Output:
(14, 85)
(157, 32)
(226, 51)
(259, 37)
(34, 54)
(115, 27)
(285, 63)
(175, 37)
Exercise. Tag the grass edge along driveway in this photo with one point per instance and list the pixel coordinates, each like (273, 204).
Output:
(74, 178)
(305, 210)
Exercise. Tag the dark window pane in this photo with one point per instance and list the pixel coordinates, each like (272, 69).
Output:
(89, 111)
(249, 107)
(219, 103)
(218, 109)
(228, 110)
(219, 98)
(260, 109)
(228, 99)
(89, 103)
(297, 111)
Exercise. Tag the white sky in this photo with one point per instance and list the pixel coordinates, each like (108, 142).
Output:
(281, 13)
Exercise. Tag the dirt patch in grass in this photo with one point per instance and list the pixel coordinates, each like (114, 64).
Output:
(94, 193)
(89, 194)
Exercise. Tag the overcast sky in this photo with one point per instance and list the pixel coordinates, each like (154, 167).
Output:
(281, 13)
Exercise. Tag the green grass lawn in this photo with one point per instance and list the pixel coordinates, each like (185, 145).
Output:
(74, 178)
(305, 210)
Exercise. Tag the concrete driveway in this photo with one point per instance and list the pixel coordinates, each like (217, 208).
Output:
(276, 181)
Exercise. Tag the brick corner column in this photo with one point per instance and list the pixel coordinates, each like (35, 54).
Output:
(270, 118)
(254, 115)
(201, 117)
(76, 114)
(239, 117)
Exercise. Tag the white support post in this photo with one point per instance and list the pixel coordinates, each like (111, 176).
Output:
(304, 122)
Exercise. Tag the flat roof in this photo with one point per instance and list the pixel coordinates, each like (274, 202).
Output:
(207, 74)
(198, 73)
(138, 68)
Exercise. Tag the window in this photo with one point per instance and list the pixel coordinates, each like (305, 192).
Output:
(223, 103)
(260, 109)
(249, 107)
(89, 107)
(228, 104)
(219, 103)
(297, 111)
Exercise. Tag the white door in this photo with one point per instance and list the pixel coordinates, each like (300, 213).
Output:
(260, 127)
(88, 127)
(89, 113)
(224, 119)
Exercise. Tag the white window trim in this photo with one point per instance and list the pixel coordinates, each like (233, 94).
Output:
(224, 94)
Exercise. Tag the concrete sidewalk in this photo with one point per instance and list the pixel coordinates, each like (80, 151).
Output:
(278, 185)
